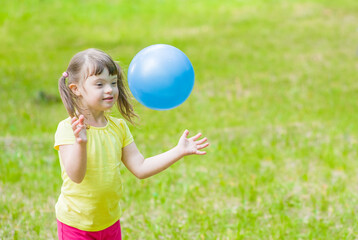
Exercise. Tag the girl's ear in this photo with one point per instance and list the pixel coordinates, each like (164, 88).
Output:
(74, 88)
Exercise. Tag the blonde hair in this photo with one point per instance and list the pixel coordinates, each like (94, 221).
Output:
(88, 63)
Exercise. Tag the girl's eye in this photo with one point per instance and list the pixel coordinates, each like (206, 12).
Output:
(114, 83)
(99, 84)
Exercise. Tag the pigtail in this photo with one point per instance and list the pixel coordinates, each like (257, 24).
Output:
(67, 96)
(123, 104)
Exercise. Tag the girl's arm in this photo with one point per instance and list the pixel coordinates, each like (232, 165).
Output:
(144, 168)
(74, 156)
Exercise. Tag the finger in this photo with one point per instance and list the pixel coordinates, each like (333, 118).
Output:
(185, 134)
(81, 119)
(75, 124)
(77, 131)
(200, 152)
(78, 123)
(73, 120)
(196, 137)
(201, 141)
(202, 146)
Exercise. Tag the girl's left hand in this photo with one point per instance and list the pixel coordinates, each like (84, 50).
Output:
(188, 146)
(79, 129)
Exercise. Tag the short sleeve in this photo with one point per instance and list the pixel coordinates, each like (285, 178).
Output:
(128, 138)
(64, 134)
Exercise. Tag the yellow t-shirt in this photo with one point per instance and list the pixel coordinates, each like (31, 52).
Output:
(93, 204)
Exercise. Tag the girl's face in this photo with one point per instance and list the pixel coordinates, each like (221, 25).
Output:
(99, 92)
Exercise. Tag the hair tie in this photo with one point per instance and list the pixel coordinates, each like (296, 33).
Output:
(65, 74)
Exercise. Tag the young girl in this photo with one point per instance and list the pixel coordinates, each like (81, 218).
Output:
(92, 145)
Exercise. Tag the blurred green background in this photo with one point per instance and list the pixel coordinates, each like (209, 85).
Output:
(276, 94)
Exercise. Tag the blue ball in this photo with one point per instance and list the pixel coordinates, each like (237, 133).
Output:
(161, 77)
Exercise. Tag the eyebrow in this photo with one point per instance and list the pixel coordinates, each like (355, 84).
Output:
(102, 79)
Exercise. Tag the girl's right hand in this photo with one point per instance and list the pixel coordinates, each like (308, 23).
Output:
(79, 129)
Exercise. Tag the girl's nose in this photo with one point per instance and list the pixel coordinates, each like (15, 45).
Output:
(109, 89)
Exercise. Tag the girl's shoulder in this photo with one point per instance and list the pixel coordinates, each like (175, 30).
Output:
(120, 126)
(118, 122)
(65, 122)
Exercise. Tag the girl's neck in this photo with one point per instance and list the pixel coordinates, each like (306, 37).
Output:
(95, 120)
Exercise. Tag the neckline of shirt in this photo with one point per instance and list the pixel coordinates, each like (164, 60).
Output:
(98, 128)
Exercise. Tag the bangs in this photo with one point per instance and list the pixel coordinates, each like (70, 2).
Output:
(96, 63)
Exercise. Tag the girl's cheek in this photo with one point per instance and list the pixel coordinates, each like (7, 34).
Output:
(116, 94)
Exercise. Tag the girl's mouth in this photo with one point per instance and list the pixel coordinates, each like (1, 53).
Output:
(108, 99)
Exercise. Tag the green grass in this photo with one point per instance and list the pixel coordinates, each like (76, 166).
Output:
(275, 93)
